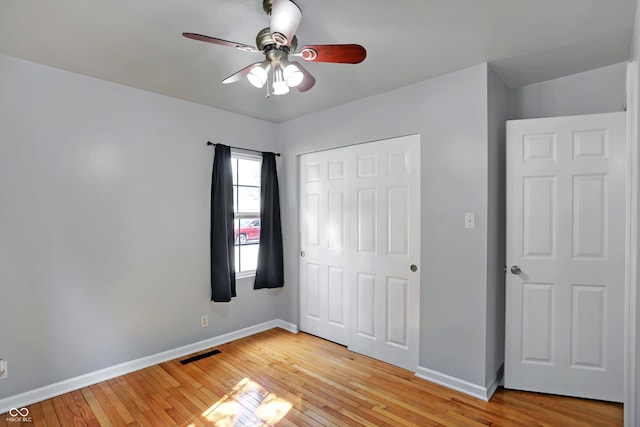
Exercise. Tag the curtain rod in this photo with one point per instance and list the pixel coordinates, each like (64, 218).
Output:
(240, 148)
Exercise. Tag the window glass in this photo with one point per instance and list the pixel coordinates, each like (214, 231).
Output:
(246, 258)
(249, 172)
(246, 202)
(248, 199)
(234, 169)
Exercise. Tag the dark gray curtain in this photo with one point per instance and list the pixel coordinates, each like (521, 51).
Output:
(223, 256)
(270, 271)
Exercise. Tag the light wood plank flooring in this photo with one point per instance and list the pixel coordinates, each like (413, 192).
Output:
(280, 378)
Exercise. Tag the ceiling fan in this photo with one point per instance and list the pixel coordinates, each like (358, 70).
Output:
(278, 42)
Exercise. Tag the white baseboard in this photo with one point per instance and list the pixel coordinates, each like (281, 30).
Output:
(497, 381)
(291, 327)
(483, 393)
(71, 384)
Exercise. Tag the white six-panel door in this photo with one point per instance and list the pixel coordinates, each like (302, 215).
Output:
(360, 234)
(384, 232)
(565, 256)
(323, 229)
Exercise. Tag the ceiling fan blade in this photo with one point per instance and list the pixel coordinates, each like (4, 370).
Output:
(338, 53)
(308, 81)
(240, 74)
(220, 42)
(285, 18)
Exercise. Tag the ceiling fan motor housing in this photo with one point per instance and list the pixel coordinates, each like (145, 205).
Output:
(276, 56)
(264, 39)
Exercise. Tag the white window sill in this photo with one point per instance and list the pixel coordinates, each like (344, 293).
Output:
(245, 274)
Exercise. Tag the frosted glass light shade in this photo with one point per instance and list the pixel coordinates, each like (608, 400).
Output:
(279, 83)
(280, 88)
(292, 75)
(257, 76)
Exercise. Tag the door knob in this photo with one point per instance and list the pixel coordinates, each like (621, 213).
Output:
(414, 268)
(515, 269)
(302, 254)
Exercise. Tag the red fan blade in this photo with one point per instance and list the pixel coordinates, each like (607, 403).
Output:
(308, 81)
(340, 53)
(285, 18)
(240, 74)
(220, 42)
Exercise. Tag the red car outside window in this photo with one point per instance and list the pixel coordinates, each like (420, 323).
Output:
(249, 231)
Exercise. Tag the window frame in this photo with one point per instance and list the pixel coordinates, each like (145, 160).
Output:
(239, 216)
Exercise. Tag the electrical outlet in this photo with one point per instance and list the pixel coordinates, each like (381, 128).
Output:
(204, 321)
(4, 371)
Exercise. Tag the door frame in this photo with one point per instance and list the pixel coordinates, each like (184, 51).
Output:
(631, 251)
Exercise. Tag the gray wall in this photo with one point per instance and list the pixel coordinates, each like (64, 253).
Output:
(498, 109)
(597, 91)
(450, 113)
(104, 230)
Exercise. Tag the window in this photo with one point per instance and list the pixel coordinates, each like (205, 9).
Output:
(246, 207)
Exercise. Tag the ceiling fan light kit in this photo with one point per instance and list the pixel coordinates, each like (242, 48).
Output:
(259, 74)
(277, 43)
(292, 75)
(279, 85)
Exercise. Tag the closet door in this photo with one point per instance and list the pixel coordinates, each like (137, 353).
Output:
(323, 256)
(384, 250)
(360, 248)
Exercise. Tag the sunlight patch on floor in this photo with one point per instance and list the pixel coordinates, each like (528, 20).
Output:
(248, 403)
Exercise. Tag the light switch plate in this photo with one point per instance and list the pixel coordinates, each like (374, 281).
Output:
(470, 220)
(3, 369)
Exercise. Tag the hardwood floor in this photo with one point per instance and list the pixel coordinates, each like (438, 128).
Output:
(277, 377)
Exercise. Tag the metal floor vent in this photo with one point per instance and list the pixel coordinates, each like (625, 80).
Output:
(200, 356)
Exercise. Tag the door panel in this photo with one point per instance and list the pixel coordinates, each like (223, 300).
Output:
(365, 305)
(360, 231)
(336, 222)
(537, 322)
(386, 232)
(366, 220)
(398, 231)
(587, 326)
(397, 311)
(565, 233)
(323, 242)
(313, 290)
(312, 215)
(538, 231)
(337, 296)
(589, 213)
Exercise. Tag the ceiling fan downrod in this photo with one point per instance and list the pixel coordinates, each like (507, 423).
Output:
(267, 5)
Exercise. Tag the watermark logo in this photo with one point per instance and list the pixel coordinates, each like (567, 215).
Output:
(19, 415)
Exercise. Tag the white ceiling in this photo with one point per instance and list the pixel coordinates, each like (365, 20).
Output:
(138, 43)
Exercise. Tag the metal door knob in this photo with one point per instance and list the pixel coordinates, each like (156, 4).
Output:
(414, 268)
(302, 254)
(515, 269)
